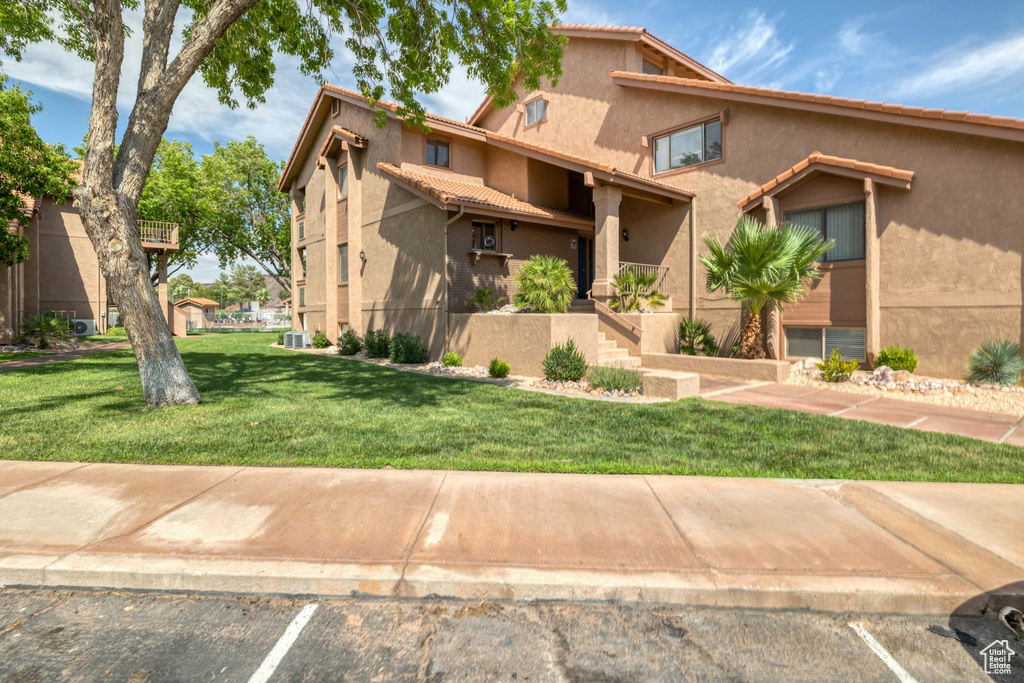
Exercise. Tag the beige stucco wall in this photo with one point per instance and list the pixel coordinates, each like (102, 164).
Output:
(659, 332)
(521, 339)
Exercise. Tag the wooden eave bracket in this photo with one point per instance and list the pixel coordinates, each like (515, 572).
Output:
(476, 254)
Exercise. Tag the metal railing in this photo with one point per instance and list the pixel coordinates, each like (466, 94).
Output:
(645, 268)
(158, 232)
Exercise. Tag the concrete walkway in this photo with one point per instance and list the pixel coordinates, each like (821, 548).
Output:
(976, 424)
(85, 349)
(833, 545)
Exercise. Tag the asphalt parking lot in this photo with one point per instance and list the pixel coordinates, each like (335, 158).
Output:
(76, 635)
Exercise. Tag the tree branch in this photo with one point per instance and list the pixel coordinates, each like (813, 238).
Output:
(157, 30)
(86, 19)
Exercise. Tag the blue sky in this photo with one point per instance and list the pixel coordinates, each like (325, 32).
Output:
(945, 54)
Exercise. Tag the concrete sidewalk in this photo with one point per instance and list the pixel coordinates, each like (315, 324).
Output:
(86, 349)
(836, 546)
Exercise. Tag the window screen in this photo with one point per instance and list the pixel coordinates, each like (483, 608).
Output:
(849, 340)
(689, 146)
(803, 342)
(536, 111)
(437, 152)
(484, 236)
(343, 263)
(302, 297)
(343, 182)
(302, 229)
(650, 68)
(843, 223)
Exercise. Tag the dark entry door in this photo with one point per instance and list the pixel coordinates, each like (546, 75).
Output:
(585, 254)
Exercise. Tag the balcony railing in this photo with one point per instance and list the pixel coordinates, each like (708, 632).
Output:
(644, 268)
(158, 234)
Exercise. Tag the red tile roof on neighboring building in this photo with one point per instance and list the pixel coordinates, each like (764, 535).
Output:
(456, 193)
(827, 160)
(918, 114)
(205, 303)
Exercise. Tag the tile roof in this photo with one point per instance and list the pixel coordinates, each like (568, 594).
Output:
(344, 133)
(828, 160)
(830, 100)
(457, 192)
(391, 106)
(197, 300)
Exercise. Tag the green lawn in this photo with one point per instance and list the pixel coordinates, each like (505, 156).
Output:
(19, 355)
(264, 406)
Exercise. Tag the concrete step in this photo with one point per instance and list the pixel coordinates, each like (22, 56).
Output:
(670, 384)
(582, 306)
(619, 362)
(601, 337)
(606, 344)
(614, 352)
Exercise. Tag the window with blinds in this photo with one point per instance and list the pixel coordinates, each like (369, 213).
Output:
(342, 181)
(343, 263)
(536, 111)
(693, 145)
(818, 342)
(843, 223)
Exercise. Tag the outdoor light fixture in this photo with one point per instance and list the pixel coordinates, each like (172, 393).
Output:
(513, 225)
(362, 256)
(625, 235)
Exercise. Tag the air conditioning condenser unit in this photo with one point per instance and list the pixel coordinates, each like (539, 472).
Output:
(84, 326)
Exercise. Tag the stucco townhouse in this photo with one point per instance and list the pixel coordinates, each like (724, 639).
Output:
(635, 155)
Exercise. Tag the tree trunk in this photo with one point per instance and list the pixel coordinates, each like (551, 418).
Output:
(165, 381)
(750, 338)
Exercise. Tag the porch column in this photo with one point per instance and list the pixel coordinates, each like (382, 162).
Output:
(606, 240)
(331, 249)
(161, 288)
(872, 268)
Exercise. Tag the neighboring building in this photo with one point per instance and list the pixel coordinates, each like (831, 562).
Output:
(634, 157)
(62, 274)
(193, 313)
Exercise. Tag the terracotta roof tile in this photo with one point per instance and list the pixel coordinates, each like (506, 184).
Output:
(197, 300)
(898, 109)
(449, 191)
(391, 106)
(828, 160)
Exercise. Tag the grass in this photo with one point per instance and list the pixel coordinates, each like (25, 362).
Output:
(264, 406)
(19, 355)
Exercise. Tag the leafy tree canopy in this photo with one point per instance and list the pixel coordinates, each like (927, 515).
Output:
(28, 166)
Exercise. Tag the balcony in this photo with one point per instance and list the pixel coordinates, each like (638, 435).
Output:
(661, 272)
(158, 236)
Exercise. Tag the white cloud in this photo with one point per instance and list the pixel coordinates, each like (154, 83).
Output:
(956, 68)
(851, 39)
(751, 50)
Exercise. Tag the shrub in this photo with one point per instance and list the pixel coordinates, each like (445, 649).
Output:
(564, 363)
(484, 299)
(378, 344)
(280, 336)
(350, 344)
(46, 329)
(695, 338)
(897, 358)
(835, 369)
(996, 361)
(121, 332)
(452, 360)
(320, 340)
(636, 290)
(498, 368)
(610, 379)
(408, 348)
(544, 285)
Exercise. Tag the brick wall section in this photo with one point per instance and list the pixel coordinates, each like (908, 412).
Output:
(464, 277)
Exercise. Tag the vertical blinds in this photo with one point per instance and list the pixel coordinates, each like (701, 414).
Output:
(818, 342)
(849, 340)
(843, 223)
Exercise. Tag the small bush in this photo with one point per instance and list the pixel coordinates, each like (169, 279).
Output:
(695, 338)
(408, 348)
(996, 361)
(280, 336)
(378, 344)
(484, 299)
(564, 363)
(320, 340)
(121, 332)
(897, 358)
(835, 369)
(350, 344)
(46, 329)
(611, 379)
(452, 360)
(544, 285)
(498, 368)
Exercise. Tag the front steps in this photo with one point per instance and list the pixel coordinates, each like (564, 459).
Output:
(610, 355)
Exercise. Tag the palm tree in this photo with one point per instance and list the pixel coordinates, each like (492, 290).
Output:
(764, 265)
(636, 290)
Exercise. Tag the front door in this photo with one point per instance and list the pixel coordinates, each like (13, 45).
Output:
(585, 254)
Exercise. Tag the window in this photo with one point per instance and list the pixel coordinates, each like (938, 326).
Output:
(343, 263)
(818, 342)
(693, 145)
(843, 223)
(651, 68)
(342, 181)
(302, 228)
(536, 111)
(437, 152)
(302, 317)
(302, 299)
(302, 260)
(484, 236)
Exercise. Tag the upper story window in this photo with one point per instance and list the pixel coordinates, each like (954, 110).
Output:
(342, 181)
(485, 237)
(843, 223)
(302, 261)
(652, 68)
(437, 152)
(693, 145)
(342, 263)
(302, 228)
(536, 111)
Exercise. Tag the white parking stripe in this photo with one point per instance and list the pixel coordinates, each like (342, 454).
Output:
(275, 656)
(882, 653)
